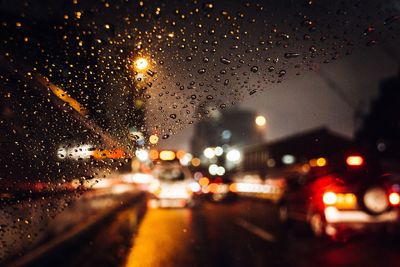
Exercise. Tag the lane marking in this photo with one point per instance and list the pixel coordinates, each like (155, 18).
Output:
(261, 233)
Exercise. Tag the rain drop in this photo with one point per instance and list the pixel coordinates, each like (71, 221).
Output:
(254, 69)
(225, 61)
(291, 55)
(282, 73)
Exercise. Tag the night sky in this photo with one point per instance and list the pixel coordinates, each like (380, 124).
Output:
(306, 101)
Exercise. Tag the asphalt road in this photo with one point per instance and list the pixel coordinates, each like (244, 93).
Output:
(241, 233)
(246, 233)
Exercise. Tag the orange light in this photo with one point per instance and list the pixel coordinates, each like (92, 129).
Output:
(110, 154)
(313, 162)
(394, 198)
(233, 188)
(116, 154)
(63, 95)
(329, 198)
(321, 162)
(204, 181)
(196, 162)
(305, 167)
(354, 160)
(346, 201)
(167, 155)
(213, 188)
(180, 154)
(153, 154)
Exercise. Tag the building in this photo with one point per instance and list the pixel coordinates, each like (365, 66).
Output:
(380, 129)
(299, 148)
(234, 128)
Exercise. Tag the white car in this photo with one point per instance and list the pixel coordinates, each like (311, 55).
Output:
(173, 185)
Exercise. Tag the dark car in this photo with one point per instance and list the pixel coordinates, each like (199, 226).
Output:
(347, 194)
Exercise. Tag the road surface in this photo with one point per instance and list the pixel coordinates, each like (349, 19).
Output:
(241, 233)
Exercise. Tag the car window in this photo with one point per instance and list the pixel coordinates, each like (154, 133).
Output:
(241, 93)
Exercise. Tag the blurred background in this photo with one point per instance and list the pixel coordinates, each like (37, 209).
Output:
(212, 134)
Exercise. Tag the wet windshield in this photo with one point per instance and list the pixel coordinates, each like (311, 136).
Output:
(249, 99)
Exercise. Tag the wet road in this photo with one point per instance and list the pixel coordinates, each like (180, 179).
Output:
(241, 233)
(245, 233)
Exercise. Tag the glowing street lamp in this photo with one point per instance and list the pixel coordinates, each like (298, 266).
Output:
(233, 155)
(260, 121)
(141, 64)
(209, 152)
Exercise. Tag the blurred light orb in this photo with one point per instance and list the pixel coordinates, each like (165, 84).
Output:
(394, 198)
(213, 169)
(220, 171)
(209, 153)
(196, 162)
(218, 151)
(153, 139)
(141, 63)
(142, 154)
(233, 155)
(260, 121)
(226, 134)
(321, 162)
(288, 159)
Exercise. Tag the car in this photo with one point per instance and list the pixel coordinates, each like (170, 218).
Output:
(341, 197)
(173, 185)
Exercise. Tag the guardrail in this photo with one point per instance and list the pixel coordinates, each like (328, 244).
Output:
(42, 252)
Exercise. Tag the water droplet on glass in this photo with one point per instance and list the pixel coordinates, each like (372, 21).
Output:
(252, 92)
(371, 43)
(291, 55)
(150, 73)
(201, 71)
(369, 30)
(172, 116)
(225, 61)
(391, 20)
(254, 69)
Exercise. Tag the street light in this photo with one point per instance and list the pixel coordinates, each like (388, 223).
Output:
(233, 155)
(141, 64)
(209, 152)
(260, 121)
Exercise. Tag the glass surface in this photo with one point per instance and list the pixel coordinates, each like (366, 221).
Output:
(282, 116)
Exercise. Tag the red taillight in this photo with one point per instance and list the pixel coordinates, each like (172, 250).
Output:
(329, 198)
(354, 160)
(394, 198)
